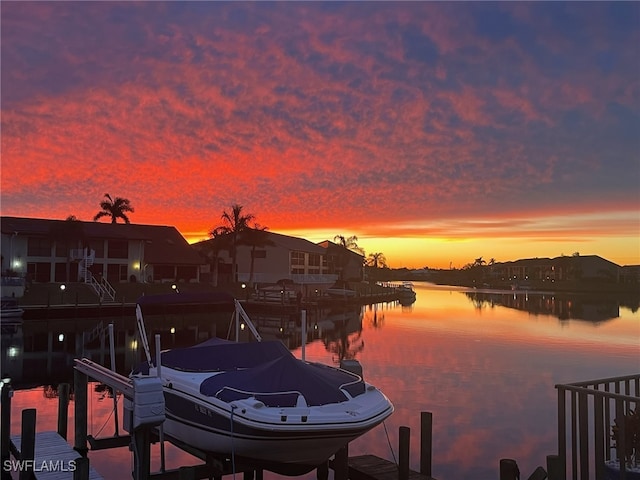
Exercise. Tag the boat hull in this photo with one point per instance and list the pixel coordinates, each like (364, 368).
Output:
(288, 446)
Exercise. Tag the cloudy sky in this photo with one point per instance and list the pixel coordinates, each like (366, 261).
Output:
(435, 132)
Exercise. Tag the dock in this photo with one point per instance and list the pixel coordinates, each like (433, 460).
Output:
(49, 446)
(372, 467)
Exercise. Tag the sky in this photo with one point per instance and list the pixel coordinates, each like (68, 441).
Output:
(436, 133)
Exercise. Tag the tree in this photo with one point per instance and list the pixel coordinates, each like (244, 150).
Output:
(376, 260)
(114, 208)
(350, 243)
(234, 224)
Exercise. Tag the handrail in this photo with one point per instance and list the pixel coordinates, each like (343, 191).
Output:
(585, 426)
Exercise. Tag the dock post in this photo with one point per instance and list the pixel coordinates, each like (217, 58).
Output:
(82, 469)
(142, 453)
(80, 411)
(341, 464)
(555, 468)
(404, 453)
(5, 426)
(509, 469)
(322, 472)
(28, 443)
(426, 443)
(63, 409)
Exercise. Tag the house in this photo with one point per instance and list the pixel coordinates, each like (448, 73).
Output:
(345, 263)
(276, 258)
(563, 268)
(101, 254)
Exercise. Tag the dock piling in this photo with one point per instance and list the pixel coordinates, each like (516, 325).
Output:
(341, 463)
(28, 442)
(82, 469)
(509, 469)
(80, 383)
(63, 409)
(426, 443)
(404, 453)
(5, 424)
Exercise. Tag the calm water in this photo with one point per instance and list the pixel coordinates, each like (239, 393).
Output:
(484, 363)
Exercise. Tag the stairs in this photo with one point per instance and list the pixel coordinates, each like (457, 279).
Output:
(102, 287)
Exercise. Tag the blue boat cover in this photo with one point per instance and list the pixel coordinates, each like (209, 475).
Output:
(217, 355)
(277, 381)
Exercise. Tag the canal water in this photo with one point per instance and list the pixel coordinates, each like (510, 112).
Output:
(483, 362)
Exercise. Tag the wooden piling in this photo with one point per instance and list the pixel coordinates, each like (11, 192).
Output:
(341, 463)
(80, 383)
(5, 426)
(509, 469)
(28, 442)
(555, 468)
(322, 472)
(404, 453)
(63, 409)
(82, 469)
(426, 443)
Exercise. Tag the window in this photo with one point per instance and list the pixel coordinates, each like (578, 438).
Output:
(39, 247)
(260, 254)
(314, 260)
(39, 271)
(117, 273)
(98, 246)
(297, 258)
(60, 274)
(118, 249)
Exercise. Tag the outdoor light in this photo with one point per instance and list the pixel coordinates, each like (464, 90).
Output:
(173, 330)
(134, 344)
(12, 352)
(61, 337)
(175, 287)
(242, 326)
(63, 287)
(243, 286)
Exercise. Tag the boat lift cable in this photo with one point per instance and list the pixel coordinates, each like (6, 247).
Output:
(143, 334)
(384, 424)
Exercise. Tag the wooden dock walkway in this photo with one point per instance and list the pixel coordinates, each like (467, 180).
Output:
(371, 467)
(54, 458)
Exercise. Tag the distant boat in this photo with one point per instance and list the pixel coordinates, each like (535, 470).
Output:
(257, 402)
(406, 293)
(340, 289)
(10, 311)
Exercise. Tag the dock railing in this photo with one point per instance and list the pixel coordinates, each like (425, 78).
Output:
(587, 413)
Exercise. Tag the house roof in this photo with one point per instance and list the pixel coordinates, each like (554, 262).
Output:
(280, 240)
(163, 244)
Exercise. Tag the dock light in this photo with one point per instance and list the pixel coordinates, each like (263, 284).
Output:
(175, 287)
(61, 337)
(243, 286)
(173, 330)
(12, 352)
(134, 344)
(242, 326)
(63, 287)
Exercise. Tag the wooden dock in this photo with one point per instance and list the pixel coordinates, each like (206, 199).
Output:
(53, 459)
(371, 467)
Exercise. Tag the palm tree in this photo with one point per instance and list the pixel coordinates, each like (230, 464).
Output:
(376, 260)
(234, 224)
(350, 243)
(114, 208)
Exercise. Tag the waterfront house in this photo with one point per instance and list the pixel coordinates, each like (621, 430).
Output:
(100, 254)
(278, 258)
(345, 263)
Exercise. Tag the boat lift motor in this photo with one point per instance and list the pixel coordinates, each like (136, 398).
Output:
(147, 407)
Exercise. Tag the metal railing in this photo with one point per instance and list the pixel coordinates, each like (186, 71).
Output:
(587, 413)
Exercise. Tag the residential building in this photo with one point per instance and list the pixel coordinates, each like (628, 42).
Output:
(42, 250)
(278, 258)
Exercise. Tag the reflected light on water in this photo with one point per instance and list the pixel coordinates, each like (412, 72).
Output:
(485, 370)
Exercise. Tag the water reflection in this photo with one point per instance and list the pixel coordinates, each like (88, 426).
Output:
(561, 306)
(485, 363)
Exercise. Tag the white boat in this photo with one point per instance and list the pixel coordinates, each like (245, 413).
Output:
(257, 402)
(340, 289)
(10, 311)
(406, 293)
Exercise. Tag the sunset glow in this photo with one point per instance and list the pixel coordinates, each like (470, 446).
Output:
(434, 132)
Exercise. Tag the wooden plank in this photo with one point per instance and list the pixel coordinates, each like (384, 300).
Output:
(371, 467)
(54, 457)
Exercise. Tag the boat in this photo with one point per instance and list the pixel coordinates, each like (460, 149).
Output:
(10, 310)
(406, 293)
(256, 402)
(340, 289)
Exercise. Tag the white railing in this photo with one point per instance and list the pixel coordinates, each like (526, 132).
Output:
(298, 278)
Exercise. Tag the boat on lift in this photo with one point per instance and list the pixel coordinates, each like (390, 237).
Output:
(258, 403)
